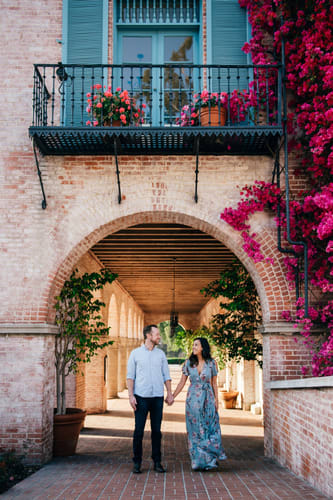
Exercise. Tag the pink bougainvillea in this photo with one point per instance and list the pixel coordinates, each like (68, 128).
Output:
(307, 32)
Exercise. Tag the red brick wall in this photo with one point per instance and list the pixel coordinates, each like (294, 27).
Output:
(287, 357)
(26, 422)
(95, 394)
(302, 431)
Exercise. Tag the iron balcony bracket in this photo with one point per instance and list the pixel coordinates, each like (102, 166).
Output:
(117, 168)
(44, 204)
(197, 145)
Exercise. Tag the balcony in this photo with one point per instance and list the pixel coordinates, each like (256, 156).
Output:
(252, 97)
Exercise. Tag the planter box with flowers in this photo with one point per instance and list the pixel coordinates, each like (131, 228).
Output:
(116, 109)
(212, 108)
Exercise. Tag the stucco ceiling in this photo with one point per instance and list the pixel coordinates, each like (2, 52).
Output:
(144, 256)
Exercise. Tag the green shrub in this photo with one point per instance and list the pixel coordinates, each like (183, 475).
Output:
(176, 361)
(13, 470)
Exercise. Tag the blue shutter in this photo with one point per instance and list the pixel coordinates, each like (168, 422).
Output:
(85, 32)
(84, 44)
(228, 35)
(229, 32)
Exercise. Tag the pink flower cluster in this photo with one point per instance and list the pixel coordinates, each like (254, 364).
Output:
(106, 107)
(238, 105)
(309, 70)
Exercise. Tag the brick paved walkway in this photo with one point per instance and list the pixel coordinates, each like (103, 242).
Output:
(102, 467)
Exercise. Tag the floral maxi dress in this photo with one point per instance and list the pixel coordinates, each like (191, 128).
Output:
(202, 419)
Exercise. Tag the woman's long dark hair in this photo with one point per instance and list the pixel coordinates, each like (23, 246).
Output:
(205, 351)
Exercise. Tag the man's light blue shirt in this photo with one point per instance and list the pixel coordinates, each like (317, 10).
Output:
(149, 370)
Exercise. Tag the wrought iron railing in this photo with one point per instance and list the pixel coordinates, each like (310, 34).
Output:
(167, 95)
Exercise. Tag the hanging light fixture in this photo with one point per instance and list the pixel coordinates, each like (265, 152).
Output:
(173, 313)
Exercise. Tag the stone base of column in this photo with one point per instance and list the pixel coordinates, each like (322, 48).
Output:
(27, 387)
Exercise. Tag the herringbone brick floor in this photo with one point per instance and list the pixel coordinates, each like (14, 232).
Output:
(102, 467)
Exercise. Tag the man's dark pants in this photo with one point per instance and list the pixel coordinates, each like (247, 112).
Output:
(155, 407)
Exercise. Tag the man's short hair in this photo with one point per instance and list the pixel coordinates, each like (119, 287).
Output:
(148, 329)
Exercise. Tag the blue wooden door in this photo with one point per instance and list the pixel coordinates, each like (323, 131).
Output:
(163, 90)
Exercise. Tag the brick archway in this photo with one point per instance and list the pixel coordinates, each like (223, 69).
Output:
(274, 293)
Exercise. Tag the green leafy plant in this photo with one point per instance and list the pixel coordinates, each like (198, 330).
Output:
(184, 338)
(13, 470)
(176, 361)
(81, 328)
(232, 330)
(169, 345)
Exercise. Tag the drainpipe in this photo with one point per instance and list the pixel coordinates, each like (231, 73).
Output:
(285, 134)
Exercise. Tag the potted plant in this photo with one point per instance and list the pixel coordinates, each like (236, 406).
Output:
(112, 108)
(212, 108)
(233, 329)
(81, 333)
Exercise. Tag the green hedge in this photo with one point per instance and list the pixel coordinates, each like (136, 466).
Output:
(176, 361)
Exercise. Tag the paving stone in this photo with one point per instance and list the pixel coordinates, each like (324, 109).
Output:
(102, 467)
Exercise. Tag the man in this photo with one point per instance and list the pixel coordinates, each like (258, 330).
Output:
(147, 372)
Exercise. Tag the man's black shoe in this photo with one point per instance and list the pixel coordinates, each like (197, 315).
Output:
(137, 469)
(158, 467)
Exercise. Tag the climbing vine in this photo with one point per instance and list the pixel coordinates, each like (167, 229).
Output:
(307, 31)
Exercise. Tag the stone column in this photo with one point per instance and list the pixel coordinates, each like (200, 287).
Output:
(27, 389)
(248, 380)
(95, 383)
(112, 380)
(122, 364)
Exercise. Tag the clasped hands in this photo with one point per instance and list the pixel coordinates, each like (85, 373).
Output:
(132, 400)
(169, 399)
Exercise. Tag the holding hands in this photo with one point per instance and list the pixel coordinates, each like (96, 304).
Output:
(169, 399)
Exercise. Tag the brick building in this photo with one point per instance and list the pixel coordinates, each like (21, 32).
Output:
(98, 182)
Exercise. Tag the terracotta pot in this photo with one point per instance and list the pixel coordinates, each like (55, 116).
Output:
(213, 117)
(66, 430)
(228, 399)
(114, 123)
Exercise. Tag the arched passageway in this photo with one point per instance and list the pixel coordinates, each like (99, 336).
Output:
(274, 295)
(161, 267)
(141, 248)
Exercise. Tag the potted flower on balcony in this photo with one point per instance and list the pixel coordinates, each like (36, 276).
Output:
(112, 108)
(81, 333)
(212, 108)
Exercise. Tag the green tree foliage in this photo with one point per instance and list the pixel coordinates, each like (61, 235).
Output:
(170, 346)
(81, 328)
(184, 339)
(233, 329)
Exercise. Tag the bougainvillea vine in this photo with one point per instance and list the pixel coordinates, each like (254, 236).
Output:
(307, 29)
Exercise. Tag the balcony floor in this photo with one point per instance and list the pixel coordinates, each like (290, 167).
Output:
(228, 140)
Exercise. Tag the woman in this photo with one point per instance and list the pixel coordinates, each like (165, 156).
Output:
(202, 420)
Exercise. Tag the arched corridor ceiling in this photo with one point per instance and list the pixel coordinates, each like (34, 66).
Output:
(143, 257)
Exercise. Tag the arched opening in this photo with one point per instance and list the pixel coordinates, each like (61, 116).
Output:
(152, 303)
(161, 266)
(265, 276)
